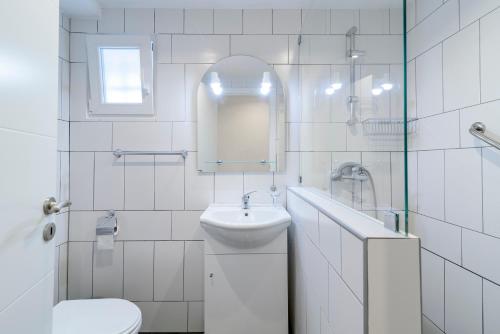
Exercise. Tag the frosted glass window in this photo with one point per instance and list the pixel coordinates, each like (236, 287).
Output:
(121, 75)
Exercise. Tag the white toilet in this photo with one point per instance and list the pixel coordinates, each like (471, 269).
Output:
(96, 316)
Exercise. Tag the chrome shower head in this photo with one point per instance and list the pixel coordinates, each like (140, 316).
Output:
(351, 31)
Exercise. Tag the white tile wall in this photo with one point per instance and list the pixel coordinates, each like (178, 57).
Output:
(443, 23)
(82, 180)
(346, 309)
(80, 257)
(138, 270)
(86, 136)
(490, 69)
(481, 254)
(316, 21)
(426, 7)
(431, 183)
(257, 21)
(109, 182)
(139, 183)
(343, 20)
(171, 106)
(429, 328)
(199, 21)
(228, 21)
(228, 188)
(195, 317)
(463, 201)
(287, 21)
(465, 237)
(144, 225)
(461, 69)
(112, 21)
(107, 272)
(273, 49)
(491, 177)
(142, 136)
(430, 81)
(169, 270)
(184, 136)
(471, 10)
(491, 304)
(84, 25)
(163, 50)
(169, 183)
(199, 187)
(352, 263)
(439, 237)
(433, 287)
(193, 270)
(186, 225)
(330, 241)
(374, 21)
(164, 317)
(78, 50)
(139, 20)
(259, 182)
(463, 298)
(321, 49)
(169, 21)
(396, 21)
(78, 102)
(199, 48)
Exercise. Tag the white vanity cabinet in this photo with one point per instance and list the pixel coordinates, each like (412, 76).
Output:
(246, 288)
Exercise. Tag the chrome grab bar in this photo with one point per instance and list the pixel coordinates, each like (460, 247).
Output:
(119, 153)
(478, 130)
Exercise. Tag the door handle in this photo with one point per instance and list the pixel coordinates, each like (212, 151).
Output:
(51, 206)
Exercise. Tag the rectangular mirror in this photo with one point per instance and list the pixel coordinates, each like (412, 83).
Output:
(241, 117)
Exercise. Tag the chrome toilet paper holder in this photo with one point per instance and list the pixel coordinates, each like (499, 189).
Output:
(107, 225)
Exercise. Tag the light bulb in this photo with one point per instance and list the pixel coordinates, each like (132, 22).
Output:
(215, 83)
(387, 86)
(337, 85)
(377, 91)
(329, 91)
(265, 88)
(216, 88)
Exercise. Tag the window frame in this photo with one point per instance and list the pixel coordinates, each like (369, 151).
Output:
(96, 105)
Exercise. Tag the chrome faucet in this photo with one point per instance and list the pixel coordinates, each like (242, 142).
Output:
(245, 200)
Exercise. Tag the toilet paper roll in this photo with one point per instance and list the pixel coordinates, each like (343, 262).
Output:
(105, 242)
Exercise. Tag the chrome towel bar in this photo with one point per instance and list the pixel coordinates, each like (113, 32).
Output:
(478, 130)
(118, 153)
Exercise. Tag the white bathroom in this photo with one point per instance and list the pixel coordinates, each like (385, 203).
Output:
(250, 166)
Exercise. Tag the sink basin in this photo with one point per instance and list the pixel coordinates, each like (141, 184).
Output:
(240, 228)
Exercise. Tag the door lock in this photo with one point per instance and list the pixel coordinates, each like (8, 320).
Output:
(49, 231)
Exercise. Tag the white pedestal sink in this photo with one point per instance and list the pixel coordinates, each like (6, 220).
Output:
(246, 270)
(239, 228)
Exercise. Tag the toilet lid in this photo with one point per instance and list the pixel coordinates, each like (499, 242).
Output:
(96, 316)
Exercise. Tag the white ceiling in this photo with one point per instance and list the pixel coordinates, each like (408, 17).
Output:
(236, 4)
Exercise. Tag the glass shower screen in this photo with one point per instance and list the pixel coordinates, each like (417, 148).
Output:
(351, 123)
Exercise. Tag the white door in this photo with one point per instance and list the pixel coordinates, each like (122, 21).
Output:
(28, 130)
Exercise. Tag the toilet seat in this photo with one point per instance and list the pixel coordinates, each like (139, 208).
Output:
(96, 316)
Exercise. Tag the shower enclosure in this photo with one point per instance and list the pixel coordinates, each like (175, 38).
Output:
(351, 121)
